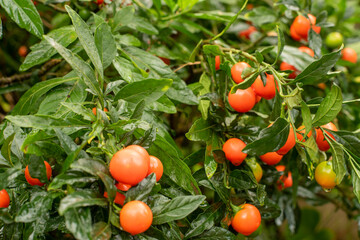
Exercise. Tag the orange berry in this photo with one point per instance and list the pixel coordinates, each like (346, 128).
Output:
(237, 70)
(290, 143)
(4, 199)
(307, 50)
(135, 217)
(349, 54)
(35, 181)
(320, 138)
(271, 158)
(156, 167)
(217, 62)
(233, 151)
(242, 100)
(284, 181)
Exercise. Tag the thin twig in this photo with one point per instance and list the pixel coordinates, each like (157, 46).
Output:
(187, 64)
(21, 77)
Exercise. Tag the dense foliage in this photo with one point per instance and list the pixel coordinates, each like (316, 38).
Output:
(219, 91)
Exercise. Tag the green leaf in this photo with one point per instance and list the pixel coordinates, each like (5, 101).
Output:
(148, 90)
(329, 107)
(212, 49)
(128, 39)
(158, 69)
(163, 104)
(90, 166)
(45, 122)
(248, 81)
(262, 15)
(174, 167)
(142, 190)
(5, 216)
(280, 44)
(270, 139)
(79, 109)
(213, 15)
(1, 29)
(318, 70)
(260, 57)
(289, 4)
(355, 176)
(242, 180)
(201, 130)
(315, 42)
(210, 164)
(76, 94)
(24, 13)
(9, 176)
(78, 222)
(306, 116)
(86, 39)
(338, 160)
(204, 221)
(105, 44)
(216, 233)
(82, 69)
(204, 104)
(143, 25)
(30, 211)
(28, 101)
(71, 178)
(186, 5)
(295, 57)
(80, 199)
(127, 70)
(67, 143)
(37, 168)
(350, 140)
(175, 209)
(123, 17)
(101, 231)
(43, 51)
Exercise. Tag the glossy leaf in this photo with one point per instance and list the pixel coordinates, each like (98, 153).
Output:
(178, 91)
(28, 100)
(319, 69)
(176, 209)
(338, 160)
(216, 233)
(87, 40)
(82, 69)
(200, 130)
(70, 178)
(174, 167)
(105, 44)
(44, 122)
(148, 90)
(281, 43)
(43, 51)
(78, 221)
(329, 107)
(270, 139)
(204, 221)
(242, 180)
(24, 13)
(101, 231)
(80, 199)
(142, 190)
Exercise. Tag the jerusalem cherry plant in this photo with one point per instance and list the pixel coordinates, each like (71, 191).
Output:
(177, 119)
(87, 153)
